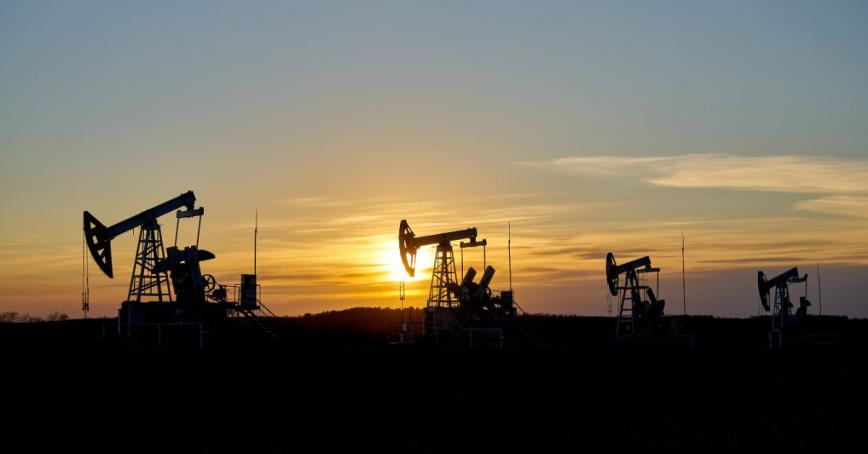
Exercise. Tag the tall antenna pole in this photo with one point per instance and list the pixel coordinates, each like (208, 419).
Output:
(683, 277)
(509, 251)
(255, 238)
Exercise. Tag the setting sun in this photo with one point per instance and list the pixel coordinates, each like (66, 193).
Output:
(393, 268)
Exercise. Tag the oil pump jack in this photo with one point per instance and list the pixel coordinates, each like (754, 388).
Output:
(781, 306)
(454, 305)
(197, 298)
(639, 309)
(148, 283)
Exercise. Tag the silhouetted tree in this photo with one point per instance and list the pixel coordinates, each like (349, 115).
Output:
(15, 317)
(57, 317)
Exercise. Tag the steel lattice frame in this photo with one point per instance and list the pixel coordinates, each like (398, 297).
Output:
(780, 313)
(146, 284)
(442, 275)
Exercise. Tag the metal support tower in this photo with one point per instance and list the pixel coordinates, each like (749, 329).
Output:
(780, 313)
(442, 275)
(146, 284)
(629, 297)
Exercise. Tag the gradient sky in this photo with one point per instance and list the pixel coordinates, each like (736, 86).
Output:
(592, 126)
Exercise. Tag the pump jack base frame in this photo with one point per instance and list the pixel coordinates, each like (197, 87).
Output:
(443, 325)
(152, 324)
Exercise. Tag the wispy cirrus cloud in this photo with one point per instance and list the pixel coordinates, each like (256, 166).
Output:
(845, 205)
(785, 173)
(317, 202)
(842, 181)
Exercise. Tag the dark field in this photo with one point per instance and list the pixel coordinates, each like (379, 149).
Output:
(333, 385)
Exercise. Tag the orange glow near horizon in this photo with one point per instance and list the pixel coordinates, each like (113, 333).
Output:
(334, 256)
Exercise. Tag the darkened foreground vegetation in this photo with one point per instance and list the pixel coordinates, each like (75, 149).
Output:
(333, 385)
